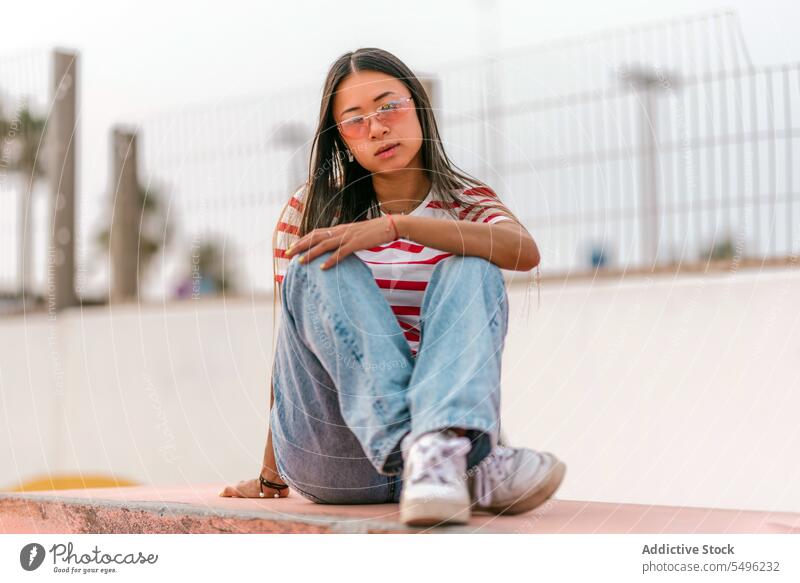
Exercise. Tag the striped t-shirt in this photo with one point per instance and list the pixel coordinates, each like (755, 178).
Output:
(401, 268)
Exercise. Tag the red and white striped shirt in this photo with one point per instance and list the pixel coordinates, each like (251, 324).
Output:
(402, 268)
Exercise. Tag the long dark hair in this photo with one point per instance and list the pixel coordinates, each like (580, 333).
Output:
(338, 191)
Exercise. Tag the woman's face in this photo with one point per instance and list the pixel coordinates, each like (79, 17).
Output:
(363, 92)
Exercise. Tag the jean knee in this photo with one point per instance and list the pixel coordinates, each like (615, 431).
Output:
(295, 263)
(474, 271)
(298, 277)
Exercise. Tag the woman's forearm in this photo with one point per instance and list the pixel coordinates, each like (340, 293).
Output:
(507, 244)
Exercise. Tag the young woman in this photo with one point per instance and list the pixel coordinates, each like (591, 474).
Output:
(386, 378)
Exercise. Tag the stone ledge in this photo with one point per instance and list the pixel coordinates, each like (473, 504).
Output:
(198, 509)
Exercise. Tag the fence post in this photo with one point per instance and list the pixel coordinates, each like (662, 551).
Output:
(62, 136)
(125, 216)
(648, 83)
(648, 177)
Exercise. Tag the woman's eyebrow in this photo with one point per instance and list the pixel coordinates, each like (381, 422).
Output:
(379, 97)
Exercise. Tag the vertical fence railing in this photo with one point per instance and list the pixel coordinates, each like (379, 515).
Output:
(723, 149)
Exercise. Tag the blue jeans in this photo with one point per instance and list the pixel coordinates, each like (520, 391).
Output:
(347, 388)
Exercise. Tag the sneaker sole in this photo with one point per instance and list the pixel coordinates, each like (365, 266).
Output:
(433, 512)
(534, 497)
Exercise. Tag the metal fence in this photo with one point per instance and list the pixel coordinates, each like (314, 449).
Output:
(637, 148)
(671, 169)
(632, 149)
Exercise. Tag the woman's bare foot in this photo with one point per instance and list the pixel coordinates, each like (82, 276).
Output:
(252, 489)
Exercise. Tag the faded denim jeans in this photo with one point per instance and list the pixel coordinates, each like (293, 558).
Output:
(347, 388)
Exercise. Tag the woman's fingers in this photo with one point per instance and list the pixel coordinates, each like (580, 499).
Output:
(321, 247)
(311, 239)
(298, 245)
(319, 241)
(342, 252)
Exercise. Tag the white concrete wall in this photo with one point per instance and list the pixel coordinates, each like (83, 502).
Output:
(682, 391)
(664, 391)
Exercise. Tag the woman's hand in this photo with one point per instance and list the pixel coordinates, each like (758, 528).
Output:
(252, 489)
(345, 239)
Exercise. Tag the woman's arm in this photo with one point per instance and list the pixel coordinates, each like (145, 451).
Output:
(507, 244)
(269, 468)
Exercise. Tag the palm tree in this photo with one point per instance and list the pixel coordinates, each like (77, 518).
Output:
(155, 229)
(24, 135)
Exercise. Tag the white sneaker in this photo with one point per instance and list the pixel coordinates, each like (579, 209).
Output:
(434, 488)
(512, 480)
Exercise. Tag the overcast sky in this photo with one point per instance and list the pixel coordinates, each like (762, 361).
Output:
(142, 55)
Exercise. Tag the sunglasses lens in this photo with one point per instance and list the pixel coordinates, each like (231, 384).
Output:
(354, 128)
(392, 111)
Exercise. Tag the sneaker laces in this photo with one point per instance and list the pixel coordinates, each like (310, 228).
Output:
(493, 469)
(433, 454)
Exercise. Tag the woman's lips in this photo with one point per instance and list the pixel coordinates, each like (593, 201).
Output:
(387, 152)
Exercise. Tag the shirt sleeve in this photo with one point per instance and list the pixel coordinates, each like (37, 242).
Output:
(287, 232)
(484, 206)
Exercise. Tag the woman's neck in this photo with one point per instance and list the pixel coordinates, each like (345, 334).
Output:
(401, 191)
